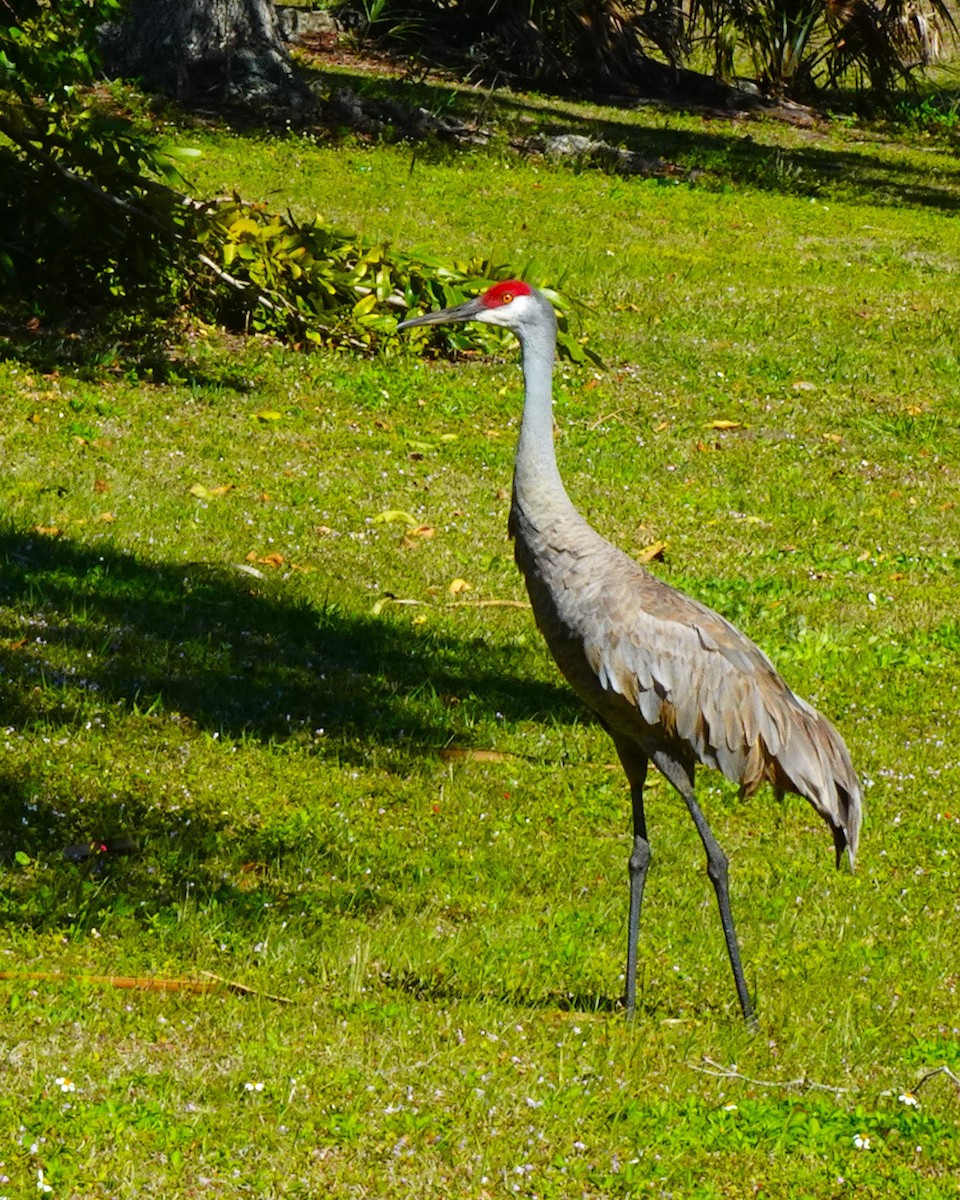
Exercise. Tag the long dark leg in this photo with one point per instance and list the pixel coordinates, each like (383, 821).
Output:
(635, 765)
(681, 776)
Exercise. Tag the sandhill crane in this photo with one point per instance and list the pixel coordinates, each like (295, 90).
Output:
(671, 681)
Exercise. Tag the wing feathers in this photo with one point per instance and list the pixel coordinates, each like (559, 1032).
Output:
(692, 676)
(659, 667)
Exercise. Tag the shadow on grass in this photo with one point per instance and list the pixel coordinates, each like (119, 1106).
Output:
(724, 149)
(440, 990)
(90, 638)
(89, 632)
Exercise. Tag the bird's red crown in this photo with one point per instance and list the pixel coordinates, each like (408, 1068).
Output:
(504, 293)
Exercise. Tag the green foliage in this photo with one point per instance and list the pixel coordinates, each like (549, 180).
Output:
(798, 47)
(85, 218)
(934, 114)
(395, 814)
(89, 219)
(795, 47)
(574, 41)
(309, 280)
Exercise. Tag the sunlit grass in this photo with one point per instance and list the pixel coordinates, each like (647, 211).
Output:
(394, 814)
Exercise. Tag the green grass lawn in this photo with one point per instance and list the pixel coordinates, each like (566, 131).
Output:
(353, 783)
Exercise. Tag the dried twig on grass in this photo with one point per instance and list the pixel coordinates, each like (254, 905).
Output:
(147, 983)
(944, 1070)
(489, 604)
(804, 1084)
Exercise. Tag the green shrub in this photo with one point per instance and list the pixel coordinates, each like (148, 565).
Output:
(313, 282)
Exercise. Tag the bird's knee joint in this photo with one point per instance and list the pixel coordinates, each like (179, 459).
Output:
(640, 858)
(717, 865)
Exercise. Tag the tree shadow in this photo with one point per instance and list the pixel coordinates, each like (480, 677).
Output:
(232, 652)
(441, 989)
(90, 637)
(726, 149)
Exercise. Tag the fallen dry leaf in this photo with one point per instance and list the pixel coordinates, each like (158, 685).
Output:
(393, 514)
(414, 536)
(455, 753)
(389, 598)
(458, 586)
(722, 423)
(204, 493)
(833, 437)
(100, 486)
(489, 603)
(268, 560)
(652, 552)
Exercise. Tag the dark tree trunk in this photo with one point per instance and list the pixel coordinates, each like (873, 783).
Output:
(206, 50)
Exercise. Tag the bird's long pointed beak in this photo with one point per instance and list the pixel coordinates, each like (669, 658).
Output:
(459, 312)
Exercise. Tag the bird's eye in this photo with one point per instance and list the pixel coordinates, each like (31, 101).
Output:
(506, 298)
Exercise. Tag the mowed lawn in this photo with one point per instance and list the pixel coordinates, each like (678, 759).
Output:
(263, 646)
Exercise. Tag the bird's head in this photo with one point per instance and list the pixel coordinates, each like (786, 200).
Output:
(512, 304)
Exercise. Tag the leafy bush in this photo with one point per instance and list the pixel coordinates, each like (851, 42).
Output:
(85, 217)
(795, 47)
(327, 286)
(90, 221)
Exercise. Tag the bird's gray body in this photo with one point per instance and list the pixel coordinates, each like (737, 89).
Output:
(673, 682)
(664, 671)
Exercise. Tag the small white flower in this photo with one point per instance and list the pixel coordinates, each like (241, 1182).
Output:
(65, 1085)
(861, 1141)
(254, 1087)
(909, 1098)
(729, 1108)
(42, 1185)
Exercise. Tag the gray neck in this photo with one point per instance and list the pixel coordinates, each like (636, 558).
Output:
(537, 487)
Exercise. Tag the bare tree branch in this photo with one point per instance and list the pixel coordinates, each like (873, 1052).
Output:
(944, 1070)
(803, 1084)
